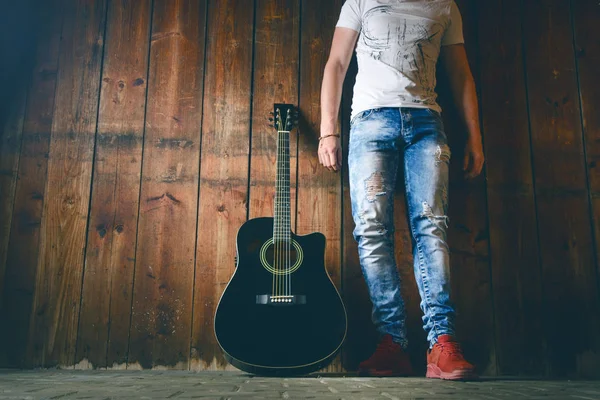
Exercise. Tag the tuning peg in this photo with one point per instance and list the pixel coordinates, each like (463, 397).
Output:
(271, 119)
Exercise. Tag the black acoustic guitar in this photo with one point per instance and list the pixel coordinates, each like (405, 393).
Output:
(280, 313)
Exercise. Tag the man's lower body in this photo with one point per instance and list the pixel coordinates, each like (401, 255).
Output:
(379, 140)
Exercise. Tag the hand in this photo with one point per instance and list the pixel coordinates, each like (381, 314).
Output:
(330, 153)
(473, 161)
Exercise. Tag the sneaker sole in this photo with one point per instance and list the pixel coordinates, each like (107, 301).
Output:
(434, 372)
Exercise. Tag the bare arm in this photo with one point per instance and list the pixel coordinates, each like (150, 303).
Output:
(340, 55)
(456, 65)
(344, 40)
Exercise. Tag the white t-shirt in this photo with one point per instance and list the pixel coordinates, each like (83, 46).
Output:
(398, 48)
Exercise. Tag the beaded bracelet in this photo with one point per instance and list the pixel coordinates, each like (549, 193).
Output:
(326, 136)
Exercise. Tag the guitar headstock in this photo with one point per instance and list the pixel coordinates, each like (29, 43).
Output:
(284, 117)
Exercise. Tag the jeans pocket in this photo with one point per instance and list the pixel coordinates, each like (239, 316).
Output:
(361, 116)
(433, 112)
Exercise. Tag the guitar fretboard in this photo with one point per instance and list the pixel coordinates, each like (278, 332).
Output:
(282, 225)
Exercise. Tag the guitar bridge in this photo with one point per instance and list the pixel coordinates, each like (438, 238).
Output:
(268, 299)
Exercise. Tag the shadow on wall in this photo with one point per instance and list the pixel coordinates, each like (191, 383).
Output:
(18, 22)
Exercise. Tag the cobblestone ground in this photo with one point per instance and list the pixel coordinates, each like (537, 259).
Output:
(105, 385)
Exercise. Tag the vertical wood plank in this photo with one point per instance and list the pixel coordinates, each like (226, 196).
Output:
(569, 275)
(468, 235)
(224, 165)
(511, 206)
(10, 153)
(110, 255)
(511, 202)
(319, 190)
(586, 14)
(164, 266)
(23, 249)
(53, 329)
(19, 27)
(276, 63)
(18, 30)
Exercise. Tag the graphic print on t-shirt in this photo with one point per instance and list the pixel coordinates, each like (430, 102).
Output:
(403, 43)
(398, 48)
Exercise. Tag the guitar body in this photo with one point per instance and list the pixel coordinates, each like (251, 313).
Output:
(279, 318)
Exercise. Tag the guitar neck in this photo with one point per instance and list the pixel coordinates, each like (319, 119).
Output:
(282, 220)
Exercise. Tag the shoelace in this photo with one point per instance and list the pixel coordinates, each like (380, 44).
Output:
(451, 348)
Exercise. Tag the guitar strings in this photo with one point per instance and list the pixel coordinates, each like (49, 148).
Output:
(286, 263)
(288, 205)
(275, 280)
(278, 205)
(282, 284)
(281, 256)
(285, 210)
(279, 244)
(288, 211)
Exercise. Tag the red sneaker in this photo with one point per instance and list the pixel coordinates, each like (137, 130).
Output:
(389, 359)
(446, 361)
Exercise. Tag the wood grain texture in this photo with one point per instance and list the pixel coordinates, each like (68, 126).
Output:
(275, 77)
(567, 253)
(19, 24)
(319, 190)
(53, 329)
(10, 153)
(110, 255)
(511, 199)
(586, 14)
(24, 242)
(224, 170)
(164, 266)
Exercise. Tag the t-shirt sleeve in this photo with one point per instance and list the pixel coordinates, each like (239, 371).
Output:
(350, 16)
(454, 31)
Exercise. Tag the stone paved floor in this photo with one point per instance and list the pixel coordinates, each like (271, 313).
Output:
(71, 385)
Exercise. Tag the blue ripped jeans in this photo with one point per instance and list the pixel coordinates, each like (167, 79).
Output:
(378, 139)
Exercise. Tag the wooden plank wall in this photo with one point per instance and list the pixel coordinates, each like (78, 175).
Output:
(139, 144)
(23, 242)
(512, 218)
(103, 334)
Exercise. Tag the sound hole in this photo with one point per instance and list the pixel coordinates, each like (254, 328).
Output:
(281, 257)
